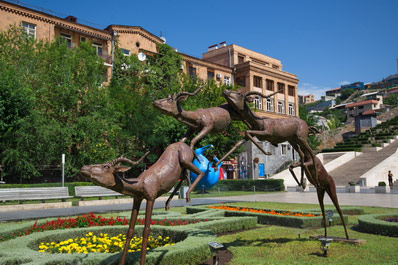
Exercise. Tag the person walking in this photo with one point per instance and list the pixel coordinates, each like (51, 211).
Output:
(390, 178)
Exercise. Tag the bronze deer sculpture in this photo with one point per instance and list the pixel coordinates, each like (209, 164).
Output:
(324, 183)
(203, 121)
(149, 185)
(293, 130)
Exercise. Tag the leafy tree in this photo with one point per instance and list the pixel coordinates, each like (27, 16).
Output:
(334, 122)
(345, 93)
(392, 100)
(311, 121)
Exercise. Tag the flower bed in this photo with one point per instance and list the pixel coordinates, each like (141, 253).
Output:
(90, 220)
(273, 212)
(102, 243)
(297, 220)
(374, 224)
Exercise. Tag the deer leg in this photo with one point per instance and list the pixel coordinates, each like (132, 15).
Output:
(197, 171)
(200, 135)
(145, 233)
(167, 205)
(302, 157)
(331, 190)
(230, 151)
(321, 194)
(292, 172)
(187, 134)
(258, 146)
(130, 231)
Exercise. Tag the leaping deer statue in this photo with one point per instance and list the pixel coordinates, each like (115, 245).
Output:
(149, 185)
(294, 130)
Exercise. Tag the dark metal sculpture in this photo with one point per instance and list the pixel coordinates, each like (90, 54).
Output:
(152, 183)
(293, 130)
(202, 121)
(323, 183)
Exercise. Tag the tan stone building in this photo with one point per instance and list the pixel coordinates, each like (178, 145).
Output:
(225, 64)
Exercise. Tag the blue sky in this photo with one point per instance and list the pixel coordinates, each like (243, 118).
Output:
(325, 43)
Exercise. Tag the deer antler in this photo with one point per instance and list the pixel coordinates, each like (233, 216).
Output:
(126, 160)
(259, 94)
(180, 94)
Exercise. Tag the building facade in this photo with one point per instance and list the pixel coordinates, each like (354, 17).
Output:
(306, 99)
(224, 64)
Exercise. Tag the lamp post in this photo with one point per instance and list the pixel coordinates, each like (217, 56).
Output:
(325, 243)
(215, 246)
(63, 170)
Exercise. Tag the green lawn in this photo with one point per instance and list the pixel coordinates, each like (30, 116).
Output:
(282, 245)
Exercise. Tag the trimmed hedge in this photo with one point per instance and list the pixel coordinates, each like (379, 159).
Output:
(71, 186)
(345, 210)
(192, 248)
(372, 223)
(290, 221)
(237, 184)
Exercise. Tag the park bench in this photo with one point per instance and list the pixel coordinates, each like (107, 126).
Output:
(94, 191)
(43, 194)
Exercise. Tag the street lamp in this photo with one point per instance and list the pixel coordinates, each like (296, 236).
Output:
(325, 243)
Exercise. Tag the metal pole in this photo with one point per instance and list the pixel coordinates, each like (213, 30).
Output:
(63, 170)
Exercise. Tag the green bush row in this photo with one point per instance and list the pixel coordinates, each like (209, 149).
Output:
(71, 186)
(290, 221)
(345, 210)
(349, 149)
(238, 184)
(192, 248)
(372, 223)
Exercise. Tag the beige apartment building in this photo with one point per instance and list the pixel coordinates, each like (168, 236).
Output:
(225, 64)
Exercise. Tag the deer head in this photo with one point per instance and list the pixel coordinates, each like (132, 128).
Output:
(235, 98)
(170, 105)
(103, 174)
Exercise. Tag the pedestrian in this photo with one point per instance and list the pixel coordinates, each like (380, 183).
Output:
(390, 178)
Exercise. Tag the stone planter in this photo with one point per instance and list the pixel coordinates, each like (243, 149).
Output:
(353, 189)
(382, 189)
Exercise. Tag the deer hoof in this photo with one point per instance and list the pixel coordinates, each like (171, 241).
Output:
(167, 207)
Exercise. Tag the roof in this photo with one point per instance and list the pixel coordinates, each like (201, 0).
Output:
(365, 102)
(368, 112)
(369, 94)
(334, 89)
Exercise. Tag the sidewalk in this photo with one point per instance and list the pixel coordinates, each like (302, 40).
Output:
(355, 199)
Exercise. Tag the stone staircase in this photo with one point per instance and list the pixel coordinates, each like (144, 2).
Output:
(352, 170)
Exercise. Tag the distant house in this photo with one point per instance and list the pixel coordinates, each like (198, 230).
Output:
(333, 92)
(358, 108)
(306, 99)
(373, 95)
(356, 86)
(321, 106)
(388, 82)
(365, 120)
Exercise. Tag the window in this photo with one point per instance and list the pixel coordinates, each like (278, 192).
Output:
(241, 81)
(125, 52)
(210, 75)
(241, 59)
(257, 81)
(291, 90)
(227, 80)
(29, 28)
(281, 88)
(360, 107)
(292, 110)
(98, 47)
(270, 85)
(275, 66)
(281, 107)
(83, 39)
(270, 104)
(283, 149)
(192, 71)
(258, 103)
(67, 38)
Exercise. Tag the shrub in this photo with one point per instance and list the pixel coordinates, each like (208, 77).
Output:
(192, 247)
(238, 184)
(373, 223)
(382, 184)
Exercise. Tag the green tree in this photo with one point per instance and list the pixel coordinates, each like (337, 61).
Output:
(311, 121)
(392, 100)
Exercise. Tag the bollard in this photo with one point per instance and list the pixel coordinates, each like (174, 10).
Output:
(254, 189)
(218, 189)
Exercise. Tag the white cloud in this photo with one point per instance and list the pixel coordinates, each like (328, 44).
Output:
(316, 90)
(344, 83)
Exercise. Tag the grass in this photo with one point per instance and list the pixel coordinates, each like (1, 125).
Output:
(282, 245)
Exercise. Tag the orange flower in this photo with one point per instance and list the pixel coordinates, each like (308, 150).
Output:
(273, 212)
